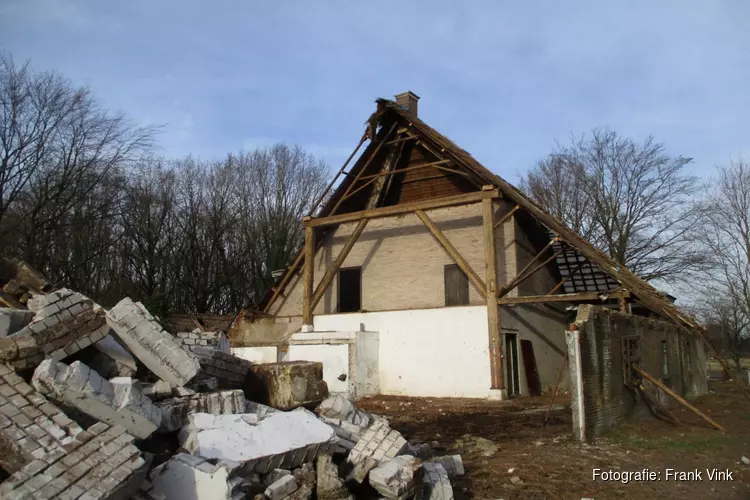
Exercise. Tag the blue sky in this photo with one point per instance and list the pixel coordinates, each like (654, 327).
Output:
(503, 79)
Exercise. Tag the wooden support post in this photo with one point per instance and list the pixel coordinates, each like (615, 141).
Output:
(453, 253)
(493, 309)
(623, 305)
(335, 178)
(336, 265)
(307, 308)
(679, 398)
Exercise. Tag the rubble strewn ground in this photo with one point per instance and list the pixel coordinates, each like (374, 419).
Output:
(106, 404)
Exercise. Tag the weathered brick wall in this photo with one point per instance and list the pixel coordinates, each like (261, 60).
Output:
(607, 401)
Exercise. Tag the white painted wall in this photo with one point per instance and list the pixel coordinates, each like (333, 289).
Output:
(335, 359)
(256, 354)
(426, 352)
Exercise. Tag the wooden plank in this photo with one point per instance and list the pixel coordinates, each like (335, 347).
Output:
(307, 307)
(563, 297)
(493, 310)
(679, 398)
(515, 281)
(336, 265)
(389, 166)
(434, 164)
(507, 216)
(404, 208)
(453, 253)
(335, 178)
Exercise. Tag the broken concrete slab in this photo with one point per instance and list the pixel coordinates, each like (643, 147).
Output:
(186, 477)
(101, 462)
(113, 360)
(12, 320)
(230, 371)
(400, 477)
(287, 385)
(64, 327)
(30, 426)
(175, 411)
(328, 485)
(117, 403)
(378, 445)
(146, 340)
(339, 407)
(437, 485)
(275, 475)
(347, 432)
(452, 464)
(280, 440)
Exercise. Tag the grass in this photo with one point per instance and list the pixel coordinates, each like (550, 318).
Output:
(695, 443)
(714, 365)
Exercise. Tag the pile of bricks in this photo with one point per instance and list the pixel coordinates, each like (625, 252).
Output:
(85, 391)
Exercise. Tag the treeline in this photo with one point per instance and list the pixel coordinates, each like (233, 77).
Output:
(84, 200)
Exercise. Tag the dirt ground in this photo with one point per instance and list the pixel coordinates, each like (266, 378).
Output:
(507, 454)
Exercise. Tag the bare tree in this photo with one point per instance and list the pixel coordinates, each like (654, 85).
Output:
(725, 290)
(630, 199)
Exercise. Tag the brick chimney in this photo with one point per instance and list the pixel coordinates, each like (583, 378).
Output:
(408, 101)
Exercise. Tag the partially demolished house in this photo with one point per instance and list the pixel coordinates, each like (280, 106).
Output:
(425, 274)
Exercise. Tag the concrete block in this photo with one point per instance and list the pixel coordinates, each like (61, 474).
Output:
(175, 411)
(230, 371)
(378, 445)
(158, 390)
(118, 403)
(399, 478)
(287, 385)
(148, 342)
(437, 485)
(282, 488)
(12, 320)
(280, 440)
(185, 478)
(328, 484)
(275, 475)
(338, 407)
(113, 360)
(452, 464)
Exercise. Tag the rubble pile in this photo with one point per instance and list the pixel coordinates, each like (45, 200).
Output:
(106, 404)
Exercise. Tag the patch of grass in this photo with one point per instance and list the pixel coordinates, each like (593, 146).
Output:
(695, 443)
(714, 365)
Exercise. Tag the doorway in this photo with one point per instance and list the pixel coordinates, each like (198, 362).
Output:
(513, 383)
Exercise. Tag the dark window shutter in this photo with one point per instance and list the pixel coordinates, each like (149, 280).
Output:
(456, 286)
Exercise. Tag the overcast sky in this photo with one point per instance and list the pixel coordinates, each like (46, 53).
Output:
(503, 79)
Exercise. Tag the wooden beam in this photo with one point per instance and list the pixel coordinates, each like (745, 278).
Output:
(447, 201)
(286, 279)
(452, 252)
(402, 139)
(679, 398)
(493, 310)
(563, 297)
(507, 216)
(331, 272)
(364, 167)
(406, 169)
(515, 281)
(521, 279)
(341, 171)
(307, 307)
(389, 166)
(567, 278)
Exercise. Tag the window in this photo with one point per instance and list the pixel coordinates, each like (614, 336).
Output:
(664, 360)
(350, 289)
(456, 286)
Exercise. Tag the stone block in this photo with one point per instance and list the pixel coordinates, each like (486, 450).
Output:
(328, 484)
(452, 464)
(340, 408)
(287, 385)
(185, 477)
(400, 477)
(229, 370)
(280, 440)
(175, 411)
(116, 403)
(12, 320)
(146, 340)
(281, 488)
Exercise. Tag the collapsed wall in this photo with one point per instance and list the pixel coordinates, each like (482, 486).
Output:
(604, 390)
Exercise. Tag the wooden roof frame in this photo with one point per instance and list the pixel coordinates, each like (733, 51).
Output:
(391, 122)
